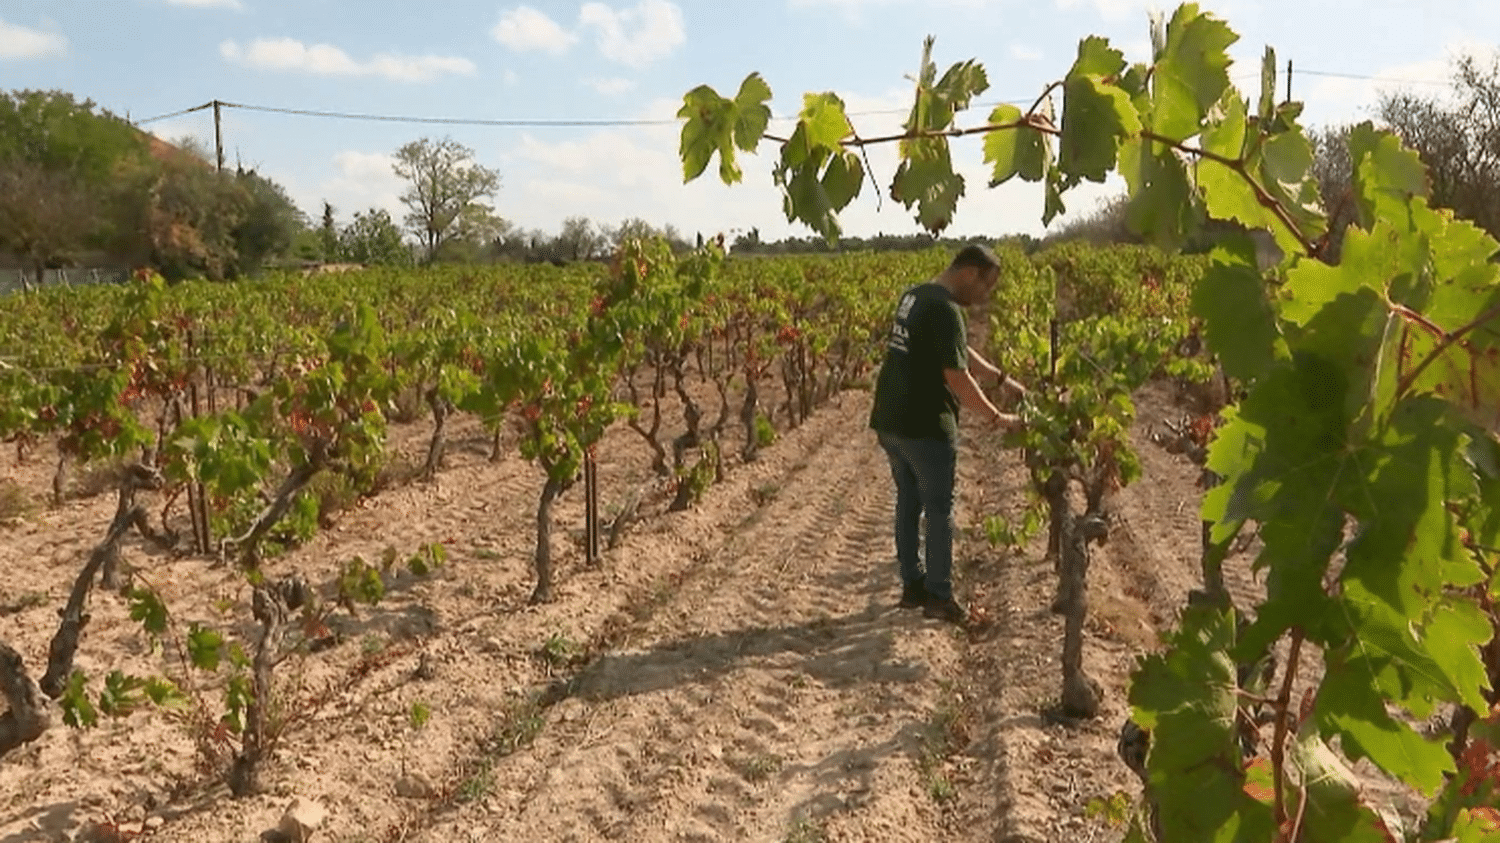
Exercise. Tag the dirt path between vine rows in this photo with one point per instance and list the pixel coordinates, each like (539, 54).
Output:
(778, 691)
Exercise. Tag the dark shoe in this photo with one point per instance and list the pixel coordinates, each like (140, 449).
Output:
(945, 610)
(913, 595)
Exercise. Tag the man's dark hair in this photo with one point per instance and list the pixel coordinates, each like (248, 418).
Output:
(978, 256)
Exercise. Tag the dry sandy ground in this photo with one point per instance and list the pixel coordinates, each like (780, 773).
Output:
(736, 672)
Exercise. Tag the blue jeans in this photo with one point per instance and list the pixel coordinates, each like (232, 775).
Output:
(924, 472)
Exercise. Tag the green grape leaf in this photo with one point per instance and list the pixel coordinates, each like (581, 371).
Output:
(1096, 118)
(1227, 194)
(1349, 704)
(937, 100)
(237, 655)
(1192, 72)
(1163, 205)
(1239, 323)
(1456, 281)
(147, 607)
(1462, 273)
(1285, 165)
(1021, 151)
(1281, 458)
(1477, 825)
(1097, 58)
(827, 124)
(818, 177)
(1225, 131)
(1405, 556)
(78, 711)
(118, 697)
(1334, 809)
(1347, 335)
(1387, 175)
(204, 647)
(926, 179)
(165, 694)
(1054, 207)
(1187, 698)
(752, 115)
(843, 179)
(714, 124)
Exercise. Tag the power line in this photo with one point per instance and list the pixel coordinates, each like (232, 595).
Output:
(507, 122)
(1372, 78)
(174, 114)
(626, 122)
(467, 121)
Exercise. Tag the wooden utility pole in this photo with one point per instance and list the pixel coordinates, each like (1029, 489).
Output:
(218, 137)
(1288, 80)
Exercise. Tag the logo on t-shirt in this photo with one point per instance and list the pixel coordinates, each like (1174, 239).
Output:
(899, 333)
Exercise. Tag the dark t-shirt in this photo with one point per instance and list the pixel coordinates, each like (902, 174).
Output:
(912, 398)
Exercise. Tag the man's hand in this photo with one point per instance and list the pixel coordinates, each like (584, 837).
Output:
(1005, 422)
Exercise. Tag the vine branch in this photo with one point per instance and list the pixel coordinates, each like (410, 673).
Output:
(1445, 342)
(1030, 120)
(1283, 706)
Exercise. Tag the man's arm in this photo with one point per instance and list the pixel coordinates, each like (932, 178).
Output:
(985, 367)
(967, 390)
(980, 366)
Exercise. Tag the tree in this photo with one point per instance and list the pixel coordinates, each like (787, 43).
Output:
(1458, 140)
(72, 178)
(53, 129)
(329, 233)
(633, 228)
(579, 240)
(45, 215)
(474, 234)
(512, 243)
(271, 221)
(191, 214)
(373, 238)
(445, 186)
(748, 241)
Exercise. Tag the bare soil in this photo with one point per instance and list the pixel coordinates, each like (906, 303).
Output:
(739, 671)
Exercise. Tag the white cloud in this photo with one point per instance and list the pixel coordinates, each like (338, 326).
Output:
(324, 59)
(1114, 10)
(208, 4)
(359, 181)
(524, 28)
(611, 87)
(636, 36)
(367, 167)
(1026, 52)
(19, 42)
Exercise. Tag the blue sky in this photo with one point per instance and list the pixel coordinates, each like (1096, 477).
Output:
(633, 60)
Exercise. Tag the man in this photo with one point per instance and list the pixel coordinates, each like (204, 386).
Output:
(927, 374)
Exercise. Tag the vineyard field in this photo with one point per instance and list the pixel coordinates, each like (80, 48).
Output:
(732, 667)
(754, 670)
